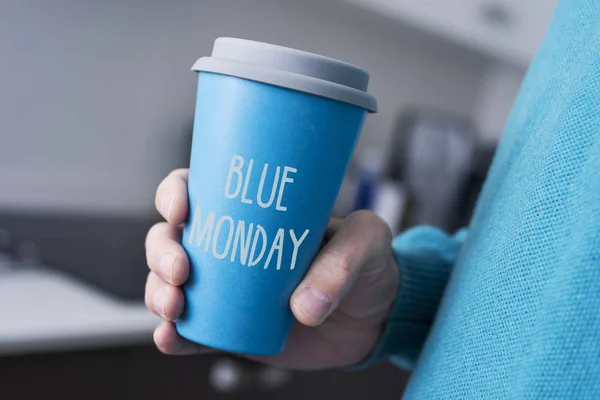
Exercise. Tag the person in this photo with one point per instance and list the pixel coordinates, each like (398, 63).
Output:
(508, 309)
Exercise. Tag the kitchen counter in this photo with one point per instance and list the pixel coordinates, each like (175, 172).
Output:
(43, 310)
(46, 318)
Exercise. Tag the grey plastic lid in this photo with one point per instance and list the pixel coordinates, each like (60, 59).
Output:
(290, 68)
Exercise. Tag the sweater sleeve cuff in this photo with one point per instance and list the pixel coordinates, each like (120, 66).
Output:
(425, 257)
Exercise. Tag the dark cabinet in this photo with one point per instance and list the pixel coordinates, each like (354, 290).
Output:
(144, 373)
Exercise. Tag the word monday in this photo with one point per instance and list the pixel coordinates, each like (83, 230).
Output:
(239, 240)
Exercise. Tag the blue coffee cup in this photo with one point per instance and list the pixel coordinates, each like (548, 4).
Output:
(274, 131)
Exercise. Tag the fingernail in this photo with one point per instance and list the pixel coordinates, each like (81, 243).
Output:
(166, 264)
(159, 301)
(170, 208)
(314, 304)
(165, 205)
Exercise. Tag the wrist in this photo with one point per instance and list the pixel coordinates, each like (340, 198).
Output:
(388, 287)
(424, 258)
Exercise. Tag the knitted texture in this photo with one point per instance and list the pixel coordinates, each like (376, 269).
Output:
(425, 256)
(520, 315)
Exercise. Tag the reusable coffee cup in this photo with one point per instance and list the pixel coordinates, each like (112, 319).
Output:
(274, 131)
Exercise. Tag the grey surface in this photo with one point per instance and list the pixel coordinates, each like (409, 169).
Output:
(291, 69)
(47, 310)
(104, 251)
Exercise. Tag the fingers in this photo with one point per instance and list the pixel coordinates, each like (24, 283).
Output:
(165, 255)
(169, 264)
(163, 299)
(172, 198)
(168, 341)
(337, 267)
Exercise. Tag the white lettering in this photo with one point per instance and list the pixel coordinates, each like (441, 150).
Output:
(222, 255)
(273, 189)
(204, 231)
(246, 182)
(297, 243)
(253, 261)
(243, 241)
(277, 245)
(284, 180)
(237, 162)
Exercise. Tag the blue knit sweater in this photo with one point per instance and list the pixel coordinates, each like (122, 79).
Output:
(511, 309)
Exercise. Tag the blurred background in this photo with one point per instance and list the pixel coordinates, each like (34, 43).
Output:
(96, 107)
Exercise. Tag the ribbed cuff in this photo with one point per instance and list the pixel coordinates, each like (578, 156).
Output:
(425, 257)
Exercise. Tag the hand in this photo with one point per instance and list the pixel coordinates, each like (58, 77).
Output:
(340, 306)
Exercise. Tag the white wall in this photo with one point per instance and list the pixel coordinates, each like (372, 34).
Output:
(508, 30)
(497, 93)
(96, 97)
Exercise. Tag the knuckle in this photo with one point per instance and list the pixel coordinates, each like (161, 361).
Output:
(340, 265)
(376, 224)
(155, 230)
(361, 216)
(382, 227)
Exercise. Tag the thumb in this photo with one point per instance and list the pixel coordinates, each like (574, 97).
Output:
(337, 267)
